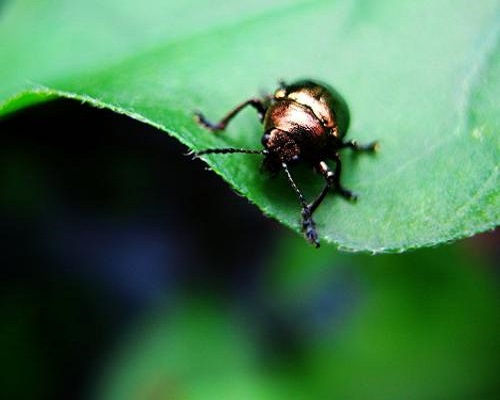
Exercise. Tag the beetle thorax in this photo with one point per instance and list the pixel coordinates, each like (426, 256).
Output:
(293, 131)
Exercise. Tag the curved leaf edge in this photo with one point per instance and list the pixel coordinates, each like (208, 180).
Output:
(40, 94)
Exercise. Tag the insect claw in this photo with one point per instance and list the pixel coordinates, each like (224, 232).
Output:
(309, 227)
(347, 194)
(312, 237)
(372, 147)
(193, 154)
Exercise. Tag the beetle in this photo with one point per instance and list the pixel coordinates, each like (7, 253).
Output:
(304, 122)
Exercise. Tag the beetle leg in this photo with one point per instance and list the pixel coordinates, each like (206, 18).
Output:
(258, 104)
(308, 224)
(347, 194)
(332, 181)
(353, 145)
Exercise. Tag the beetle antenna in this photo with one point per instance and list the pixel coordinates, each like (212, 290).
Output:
(301, 197)
(308, 224)
(229, 150)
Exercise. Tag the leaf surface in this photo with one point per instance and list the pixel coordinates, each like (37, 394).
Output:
(422, 78)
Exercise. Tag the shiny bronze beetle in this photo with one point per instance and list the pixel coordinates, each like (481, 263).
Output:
(304, 122)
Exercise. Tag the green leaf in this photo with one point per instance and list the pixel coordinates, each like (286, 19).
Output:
(422, 78)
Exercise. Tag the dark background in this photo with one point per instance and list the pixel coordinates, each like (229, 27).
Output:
(104, 218)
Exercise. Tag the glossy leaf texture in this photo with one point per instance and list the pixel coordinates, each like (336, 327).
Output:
(422, 78)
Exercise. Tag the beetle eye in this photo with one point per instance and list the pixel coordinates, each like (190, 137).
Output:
(265, 139)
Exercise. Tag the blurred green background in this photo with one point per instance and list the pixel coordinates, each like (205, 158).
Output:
(131, 272)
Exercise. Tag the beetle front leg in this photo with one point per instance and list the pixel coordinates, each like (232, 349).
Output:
(353, 145)
(258, 104)
(347, 194)
(332, 182)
